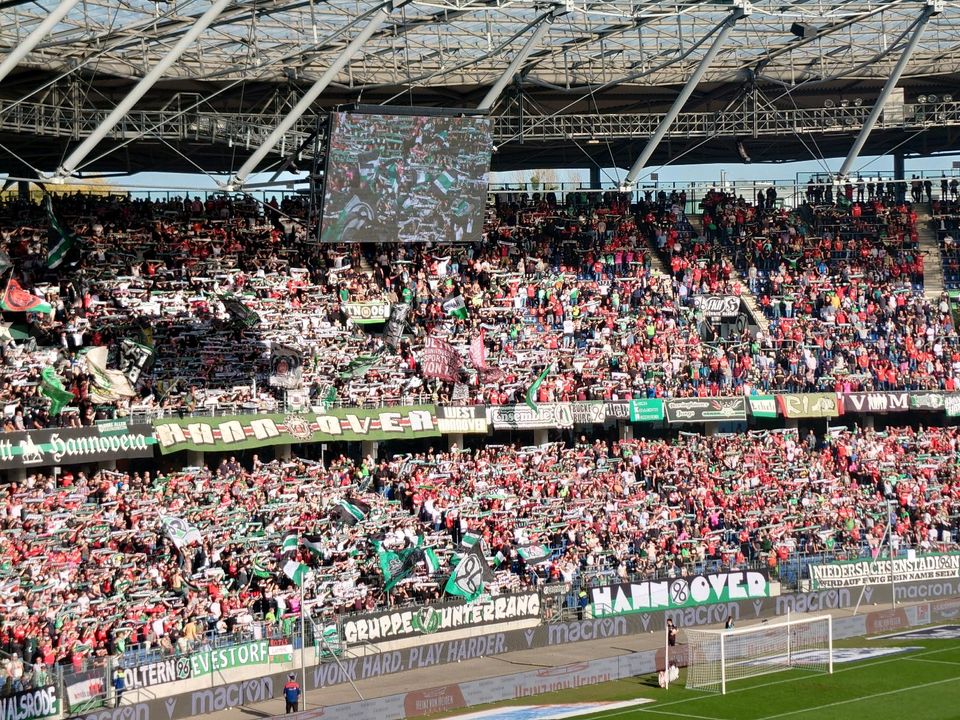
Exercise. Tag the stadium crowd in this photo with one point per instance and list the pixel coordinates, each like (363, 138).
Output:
(89, 570)
(570, 284)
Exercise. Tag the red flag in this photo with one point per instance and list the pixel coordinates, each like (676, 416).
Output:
(478, 352)
(440, 360)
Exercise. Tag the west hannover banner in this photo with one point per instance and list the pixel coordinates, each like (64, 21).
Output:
(429, 619)
(522, 417)
(877, 572)
(466, 419)
(682, 592)
(251, 431)
(810, 405)
(367, 313)
(113, 440)
(698, 410)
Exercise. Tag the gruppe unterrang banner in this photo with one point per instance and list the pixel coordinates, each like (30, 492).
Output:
(681, 592)
(698, 410)
(112, 440)
(251, 431)
(465, 419)
(522, 417)
(856, 573)
(430, 619)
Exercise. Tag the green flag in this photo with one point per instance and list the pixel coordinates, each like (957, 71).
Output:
(330, 398)
(313, 543)
(352, 512)
(289, 544)
(532, 392)
(431, 560)
(454, 306)
(296, 571)
(359, 366)
(535, 554)
(259, 570)
(469, 575)
(397, 566)
(60, 242)
(52, 387)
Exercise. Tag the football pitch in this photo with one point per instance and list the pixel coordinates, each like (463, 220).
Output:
(918, 678)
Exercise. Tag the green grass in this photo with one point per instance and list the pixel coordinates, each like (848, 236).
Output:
(921, 684)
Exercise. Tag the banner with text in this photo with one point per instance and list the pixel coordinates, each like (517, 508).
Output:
(678, 592)
(429, 619)
(590, 412)
(113, 440)
(466, 419)
(876, 402)
(252, 431)
(521, 417)
(649, 410)
(875, 572)
(198, 664)
(810, 405)
(698, 410)
(30, 704)
(764, 406)
(367, 313)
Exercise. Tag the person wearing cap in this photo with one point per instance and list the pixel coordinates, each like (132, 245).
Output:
(291, 693)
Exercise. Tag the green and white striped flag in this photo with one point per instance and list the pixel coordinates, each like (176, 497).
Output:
(313, 543)
(431, 560)
(259, 570)
(535, 554)
(296, 571)
(454, 306)
(60, 242)
(469, 540)
(290, 544)
(352, 511)
(444, 181)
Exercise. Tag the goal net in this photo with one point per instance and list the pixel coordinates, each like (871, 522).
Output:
(718, 656)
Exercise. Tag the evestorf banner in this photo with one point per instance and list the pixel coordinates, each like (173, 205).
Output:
(430, 619)
(113, 440)
(876, 572)
(678, 593)
(253, 431)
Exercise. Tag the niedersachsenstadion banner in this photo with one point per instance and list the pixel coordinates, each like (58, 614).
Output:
(240, 432)
(855, 573)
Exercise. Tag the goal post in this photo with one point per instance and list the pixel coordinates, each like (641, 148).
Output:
(717, 657)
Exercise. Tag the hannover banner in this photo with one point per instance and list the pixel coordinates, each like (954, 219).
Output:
(877, 572)
(462, 419)
(682, 592)
(253, 431)
(113, 440)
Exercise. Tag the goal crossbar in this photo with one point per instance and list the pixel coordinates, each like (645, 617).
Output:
(716, 657)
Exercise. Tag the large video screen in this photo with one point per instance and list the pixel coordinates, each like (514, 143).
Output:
(405, 178)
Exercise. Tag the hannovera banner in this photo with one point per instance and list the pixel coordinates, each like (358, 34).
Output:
(682, 592)
(252, 431)
(110, 440)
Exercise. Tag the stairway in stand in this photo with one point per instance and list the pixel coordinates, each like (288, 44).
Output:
(930, 250)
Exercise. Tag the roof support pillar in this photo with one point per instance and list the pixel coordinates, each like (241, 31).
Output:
(723, 31)
(494, 93)
(140, 89)
(34, 38)
(375, 23)
(931, 9)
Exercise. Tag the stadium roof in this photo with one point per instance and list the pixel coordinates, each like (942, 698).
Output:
(604, 67)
